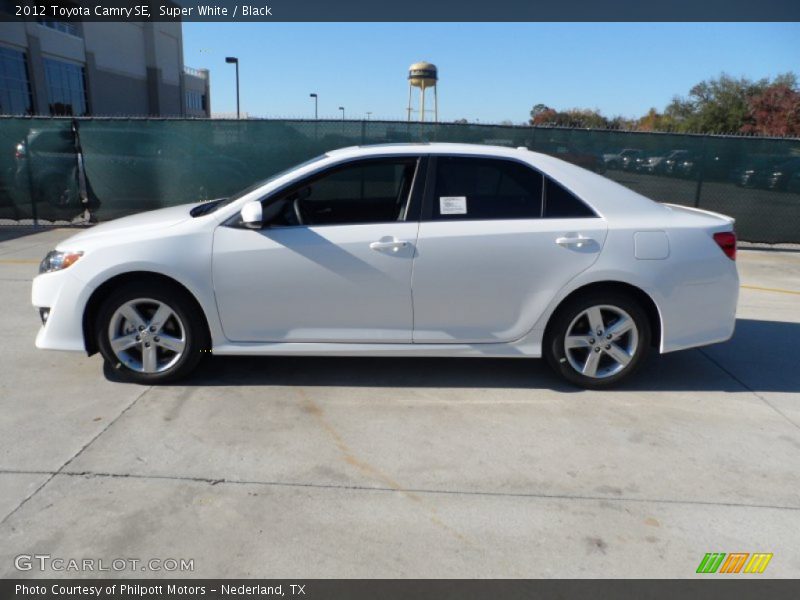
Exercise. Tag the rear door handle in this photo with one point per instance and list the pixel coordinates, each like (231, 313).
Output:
(394, 245)
(577, 241)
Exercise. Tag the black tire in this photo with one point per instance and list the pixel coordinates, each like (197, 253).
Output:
(554, 347)
(187, 321)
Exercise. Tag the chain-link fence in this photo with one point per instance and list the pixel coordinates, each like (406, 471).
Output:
(62, 170)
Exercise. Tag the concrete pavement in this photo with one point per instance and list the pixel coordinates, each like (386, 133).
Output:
(345, 467)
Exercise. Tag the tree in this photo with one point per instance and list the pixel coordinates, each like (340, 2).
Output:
(542, 114)
(724, 104)
(776, 111)
(655, 121)
(620, 122)
(584, 117)
(720, 105)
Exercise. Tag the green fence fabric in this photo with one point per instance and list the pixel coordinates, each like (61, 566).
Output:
(131, 165)
(38, 171)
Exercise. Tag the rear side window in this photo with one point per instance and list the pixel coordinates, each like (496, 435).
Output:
(486, 188)
(560, 203)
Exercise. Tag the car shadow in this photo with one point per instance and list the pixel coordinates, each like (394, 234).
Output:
(759, 357)
(12, 232)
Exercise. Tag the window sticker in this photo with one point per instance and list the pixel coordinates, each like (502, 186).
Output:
(453, 205)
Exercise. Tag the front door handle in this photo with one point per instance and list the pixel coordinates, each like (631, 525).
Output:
(577, 241)
(394, 245)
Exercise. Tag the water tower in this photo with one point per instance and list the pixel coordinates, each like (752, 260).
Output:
(423, 75)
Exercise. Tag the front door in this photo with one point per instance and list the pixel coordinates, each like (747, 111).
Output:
(334, 265)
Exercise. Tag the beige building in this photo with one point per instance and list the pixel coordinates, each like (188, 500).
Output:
(102, 69)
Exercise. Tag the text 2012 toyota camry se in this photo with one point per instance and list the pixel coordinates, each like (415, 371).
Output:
(399, 250)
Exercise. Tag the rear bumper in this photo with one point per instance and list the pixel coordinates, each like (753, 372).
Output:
(699, 314)
(66, 297)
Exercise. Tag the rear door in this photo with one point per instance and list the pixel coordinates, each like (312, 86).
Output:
(496, 242)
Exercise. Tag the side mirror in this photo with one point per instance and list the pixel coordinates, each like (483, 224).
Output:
(252, 215)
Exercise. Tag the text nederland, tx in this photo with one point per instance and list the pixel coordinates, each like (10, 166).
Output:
(157, 590)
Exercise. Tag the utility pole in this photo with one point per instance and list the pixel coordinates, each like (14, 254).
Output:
(232, 60)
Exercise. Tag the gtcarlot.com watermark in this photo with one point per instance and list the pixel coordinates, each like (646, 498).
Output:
(47, 562)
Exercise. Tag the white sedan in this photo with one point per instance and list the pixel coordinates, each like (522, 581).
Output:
(399, 250)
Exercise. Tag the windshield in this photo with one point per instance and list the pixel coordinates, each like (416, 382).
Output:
(213, 205)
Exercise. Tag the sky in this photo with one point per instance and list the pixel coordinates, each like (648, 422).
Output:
(488, 72)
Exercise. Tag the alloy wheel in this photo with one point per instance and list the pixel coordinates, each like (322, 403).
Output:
(147, 335)
(601, 341)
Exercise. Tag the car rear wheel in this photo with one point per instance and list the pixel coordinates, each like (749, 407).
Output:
(150, 334)
(598, 340)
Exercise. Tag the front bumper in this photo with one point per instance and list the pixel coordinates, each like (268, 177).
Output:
(66, 297)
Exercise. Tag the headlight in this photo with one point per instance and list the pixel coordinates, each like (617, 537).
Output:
(56, 261)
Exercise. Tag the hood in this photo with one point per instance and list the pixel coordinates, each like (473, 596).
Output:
(146, 221)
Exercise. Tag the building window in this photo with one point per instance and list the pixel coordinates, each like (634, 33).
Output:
(66, 87)
(62, 26)
(195, 100)
(15, 89)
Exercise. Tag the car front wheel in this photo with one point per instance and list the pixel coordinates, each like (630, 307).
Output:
(150, 334)
(596, 341)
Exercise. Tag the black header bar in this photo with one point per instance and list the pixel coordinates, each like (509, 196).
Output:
(401, 10)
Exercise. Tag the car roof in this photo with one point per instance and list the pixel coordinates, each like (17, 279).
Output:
(425, 148)
(605, 196)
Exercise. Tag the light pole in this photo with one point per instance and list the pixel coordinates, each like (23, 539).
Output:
(341, 108)
(316, 105)
(369, 115)
(235, 61)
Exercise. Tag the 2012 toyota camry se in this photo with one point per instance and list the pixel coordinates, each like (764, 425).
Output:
(399, 250)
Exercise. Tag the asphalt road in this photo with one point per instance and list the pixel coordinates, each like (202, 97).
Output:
(339, 467)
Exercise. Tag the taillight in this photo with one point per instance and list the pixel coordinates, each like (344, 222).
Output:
(20, 151)
(726, 240)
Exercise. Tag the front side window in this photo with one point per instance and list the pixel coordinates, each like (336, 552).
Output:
(370, 191)
(485, 188)
(66, 87)
(15, 89)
